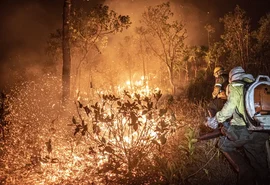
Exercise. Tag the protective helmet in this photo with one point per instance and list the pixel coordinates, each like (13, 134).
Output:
(218, 70)
(235, 73)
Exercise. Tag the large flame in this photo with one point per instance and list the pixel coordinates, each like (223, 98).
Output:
(42, 149)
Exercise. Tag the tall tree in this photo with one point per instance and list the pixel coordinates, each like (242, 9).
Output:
(236, 37)
(164, 36)
(262, 46)
(210, 29)
(66, 52)
(89, 31)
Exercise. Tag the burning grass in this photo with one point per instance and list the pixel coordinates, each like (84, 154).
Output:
(119, 139)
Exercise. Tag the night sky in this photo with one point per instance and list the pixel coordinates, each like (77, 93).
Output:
(27, 24)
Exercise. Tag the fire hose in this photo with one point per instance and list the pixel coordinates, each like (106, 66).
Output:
(217, 132)
(211, 135)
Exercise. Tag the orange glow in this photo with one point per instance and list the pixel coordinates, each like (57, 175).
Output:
(43, 139)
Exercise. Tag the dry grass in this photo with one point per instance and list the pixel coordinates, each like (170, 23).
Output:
(40, 147)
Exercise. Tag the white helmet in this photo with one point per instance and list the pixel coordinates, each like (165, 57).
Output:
(235, 73)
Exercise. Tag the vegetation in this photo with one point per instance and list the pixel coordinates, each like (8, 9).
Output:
(117, 133)
(165, 39)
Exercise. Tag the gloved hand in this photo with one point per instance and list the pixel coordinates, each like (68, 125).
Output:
(211, 122)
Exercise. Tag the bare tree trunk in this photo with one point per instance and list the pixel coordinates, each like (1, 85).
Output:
(143, 62)
(171, 78)
(66, 52)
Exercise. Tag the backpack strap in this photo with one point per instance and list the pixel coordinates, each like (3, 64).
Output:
(248, 121)
(241, 116)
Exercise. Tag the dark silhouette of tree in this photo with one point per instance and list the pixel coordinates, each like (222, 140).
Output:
(210, 29)
(262, 46)
(236, 37)
(89, 30)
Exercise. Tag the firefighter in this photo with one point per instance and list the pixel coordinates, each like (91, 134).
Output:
(252, 167)
(219, 92)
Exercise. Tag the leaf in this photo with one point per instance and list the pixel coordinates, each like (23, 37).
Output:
(206, 171)
(133, 118)
(44, 160)
(74, 120)
(96, 129)
(85, 127)
(135, 126)
(137, 96)
(157, 129)
(54, 160)
(119, 103)
(83, 123)
(150, 105)
(155, 142)
(109, 149)
(163, 139)
(49, 146)
(96, 116)
(162, 112)
(144, 112)
(87, 110)
(163, 124)
(92, 151)
(158, 95)
(80, 105)
(77, 129)
(194, 140)
(103, 140)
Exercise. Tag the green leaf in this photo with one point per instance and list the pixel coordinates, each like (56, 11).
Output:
(206, 171)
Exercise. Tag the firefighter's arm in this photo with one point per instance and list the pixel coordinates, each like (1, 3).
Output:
(216, 91)
(217, 87)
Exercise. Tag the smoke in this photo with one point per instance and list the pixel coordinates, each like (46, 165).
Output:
(195, 15)
(25, 31)
(26, 27)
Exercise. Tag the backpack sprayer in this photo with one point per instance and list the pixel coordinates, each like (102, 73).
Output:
(257, 103)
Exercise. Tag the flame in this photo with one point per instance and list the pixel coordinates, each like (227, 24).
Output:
(35, 110)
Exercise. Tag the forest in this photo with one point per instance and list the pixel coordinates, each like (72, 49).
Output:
(126, 110)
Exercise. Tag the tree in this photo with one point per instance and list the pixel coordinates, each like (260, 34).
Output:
(262, 47)
(89, 31)
(236, 37)
(164, 36)
(66, 52)
(210, 29)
